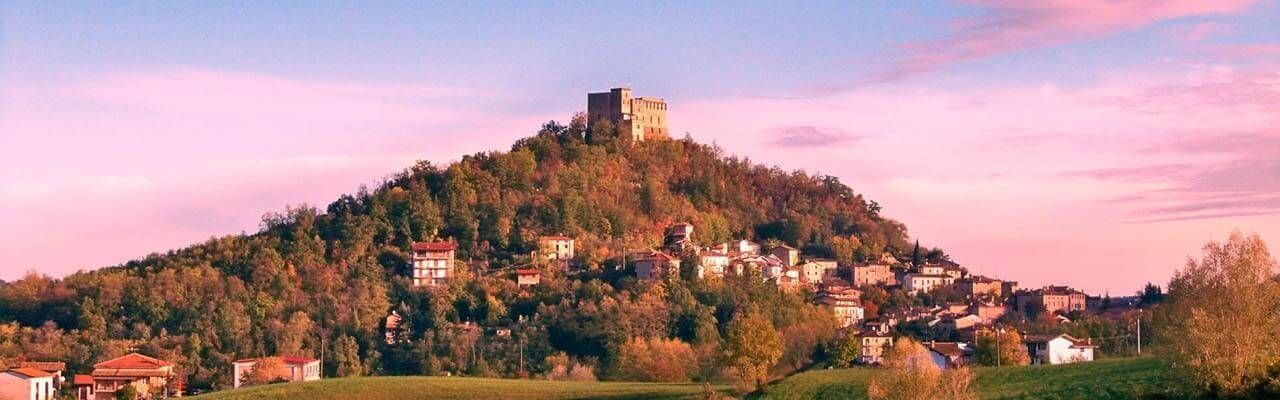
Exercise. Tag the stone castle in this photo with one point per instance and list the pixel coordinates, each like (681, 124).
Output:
(640, 118)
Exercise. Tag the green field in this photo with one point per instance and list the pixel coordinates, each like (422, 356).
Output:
(1120, 378)
(1106, 379)
(433, 388)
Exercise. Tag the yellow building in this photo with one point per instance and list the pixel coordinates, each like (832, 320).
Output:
(639, 118)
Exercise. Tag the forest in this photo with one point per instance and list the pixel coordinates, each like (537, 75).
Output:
(321, 282)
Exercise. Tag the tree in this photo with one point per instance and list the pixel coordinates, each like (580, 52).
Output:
(752, 346)
(1217, 325)
(128, 392)
(846, 350)
(911, 375)
(655, 360)
(1010, 351)
(346, 357)
(266, 370)
(1150, 295)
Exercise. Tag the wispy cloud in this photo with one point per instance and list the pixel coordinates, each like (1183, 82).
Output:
(1007, 26)
(809, 136)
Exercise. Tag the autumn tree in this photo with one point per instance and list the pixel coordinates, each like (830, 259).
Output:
(655, 360)
(845, 351)
(266, 370)
(1007, 349)
(1217, 325)
(752, 345)
(910, 374)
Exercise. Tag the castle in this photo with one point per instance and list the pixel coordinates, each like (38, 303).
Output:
(639, 118)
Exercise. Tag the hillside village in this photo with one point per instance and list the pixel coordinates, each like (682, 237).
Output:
(497, 306)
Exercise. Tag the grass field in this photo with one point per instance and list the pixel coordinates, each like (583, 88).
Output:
(440, 388)
(1120, 378)
(1104, 380)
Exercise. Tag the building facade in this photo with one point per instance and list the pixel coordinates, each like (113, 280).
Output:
(150, 376)
(296, 369)
(27, 384)
(556, 247)
(637, 118)
(873, 274)
(1051, 300)
(433, 263)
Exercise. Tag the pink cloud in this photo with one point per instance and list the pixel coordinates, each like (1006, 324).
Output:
(1028, 181)
(1010, 25)
(125, 164)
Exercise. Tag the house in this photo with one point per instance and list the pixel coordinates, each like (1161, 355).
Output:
(679, 236)
(1058, 349)
(873, 274)
(812, 272)
(789, 255)
(56, 368)
(433, 263)
(84, 386)
(150, 376)
(393, 327)
(959, 322)
(657, 265)
(712, 263)
(296, 369)
(874, 345)
(949, 354)
(556, 247)
(1050, 299)
(1009, 287)
(528, 277)
(924, 282)
(954, 271)
(989, 313)
(746, 247)
(27, 384)
(845, 305)
(979, 285)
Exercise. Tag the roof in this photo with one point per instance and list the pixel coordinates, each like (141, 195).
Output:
(555, 237)
(949, 349)
(1076, 343)
(434, 246)
(783, 246)
(129, 372)
(528, 272)
(132, 361)
(285, 359)
(873, 333)
(658, 255)
(46, 366)
(29, 372)
(81, 379)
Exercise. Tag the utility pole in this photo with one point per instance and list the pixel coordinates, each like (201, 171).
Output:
(999, 332)
(1139, 331)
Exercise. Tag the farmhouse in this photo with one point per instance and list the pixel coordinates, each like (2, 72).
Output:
(556, 247)
(148, 375)
(26, 383)
(296, 369)
(1058, 349)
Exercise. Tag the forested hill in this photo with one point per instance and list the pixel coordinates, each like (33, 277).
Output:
(311, 278)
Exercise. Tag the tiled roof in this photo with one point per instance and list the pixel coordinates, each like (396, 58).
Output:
(47, 366)
(556, 237)
(80, 379)
(949, 349)
(29, 372)
(285, 359)
(527, 272)
(434, 246)
(132, 361)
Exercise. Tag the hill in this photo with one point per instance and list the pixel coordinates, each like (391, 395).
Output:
(322, 281)
(1116, 378)
(438, 388)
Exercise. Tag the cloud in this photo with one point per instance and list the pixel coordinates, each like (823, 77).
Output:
(1007, 26)
(808, 136)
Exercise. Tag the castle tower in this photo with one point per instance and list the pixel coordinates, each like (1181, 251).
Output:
(639, 118)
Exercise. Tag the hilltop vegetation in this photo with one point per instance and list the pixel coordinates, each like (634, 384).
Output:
(324, 279)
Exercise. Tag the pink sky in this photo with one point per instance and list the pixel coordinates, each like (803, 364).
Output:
(1102, 184)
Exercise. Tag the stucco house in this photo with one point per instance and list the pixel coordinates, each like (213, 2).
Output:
(1058, 349)
(949, 354)
(657, 266)
(297, 369)
(26, 384)
(150, 376)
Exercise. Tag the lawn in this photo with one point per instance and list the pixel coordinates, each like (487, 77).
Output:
(1118, 378)
(433, 388)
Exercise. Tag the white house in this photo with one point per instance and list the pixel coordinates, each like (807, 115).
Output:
(713, 263)
(1059, 349)
(300, 369)
(949, 354)
(925, 282)
(26, 384)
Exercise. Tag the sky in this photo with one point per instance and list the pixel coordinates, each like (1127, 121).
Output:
(1096, 144)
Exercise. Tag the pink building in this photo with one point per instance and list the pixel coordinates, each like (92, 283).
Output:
(300, 369)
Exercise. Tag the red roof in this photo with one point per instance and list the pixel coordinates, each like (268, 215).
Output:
(527, 272)
(556, 238)
(132, 361)
(80, 380)
(29, 372)
(46, 366)
(434, 246)
(285, 359)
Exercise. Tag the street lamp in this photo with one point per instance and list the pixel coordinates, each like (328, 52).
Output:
(999, 333)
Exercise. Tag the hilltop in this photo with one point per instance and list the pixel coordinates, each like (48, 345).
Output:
(319, 282)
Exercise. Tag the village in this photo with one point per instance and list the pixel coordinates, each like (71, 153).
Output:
(829, 283)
